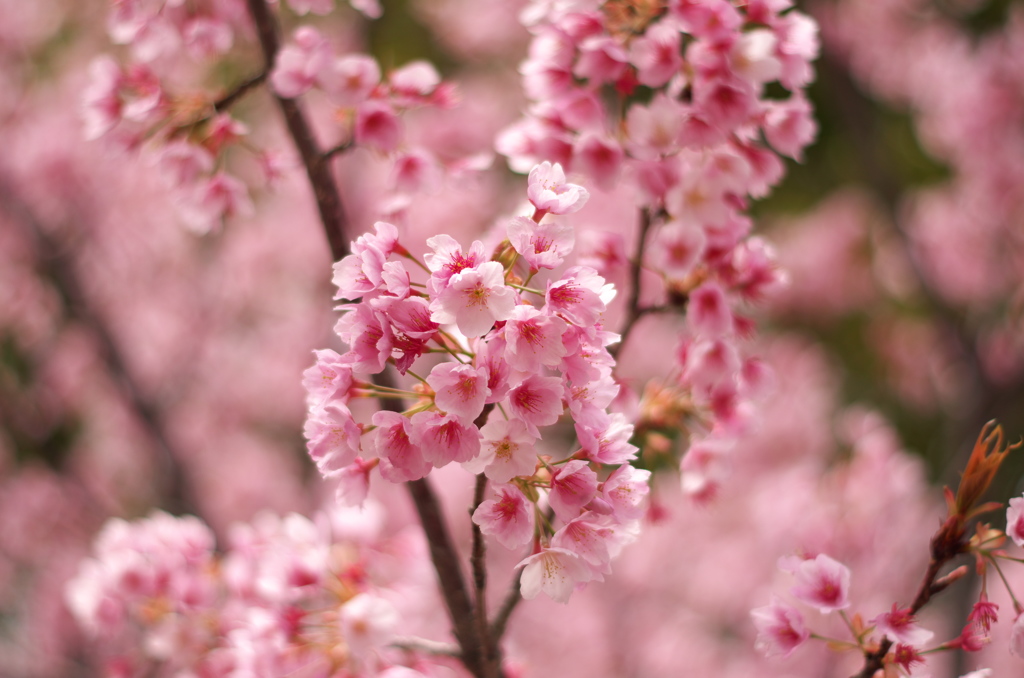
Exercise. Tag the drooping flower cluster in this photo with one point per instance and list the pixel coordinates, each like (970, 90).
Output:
(517, 360)
(689, 81)
(353, 83)
(289, 595)
(189, 132)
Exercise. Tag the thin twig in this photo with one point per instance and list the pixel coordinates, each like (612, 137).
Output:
(633, 311)
(945, 545)
(424, 645)
(512, 599)
(478, 564)
(226, 101)
(336, 150)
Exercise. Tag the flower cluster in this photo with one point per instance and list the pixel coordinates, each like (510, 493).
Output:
(894, 638)
(189, 133)
(824, 584)
(353, 83)
(689, 80)
(289, 595)
(517, 358)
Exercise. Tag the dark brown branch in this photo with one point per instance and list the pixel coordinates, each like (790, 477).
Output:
(512, 599)
(633, 311)
(177, 494)
(478, 564)
(318, 169)
(449, 574)
(332, 216)
(336, 150)
(226, 101)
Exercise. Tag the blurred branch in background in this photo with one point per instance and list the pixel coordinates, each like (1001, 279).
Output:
(56, 263)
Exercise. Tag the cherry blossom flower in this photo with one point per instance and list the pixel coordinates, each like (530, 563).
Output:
(300, 64)
(205, 37)
(400, 459)
(578, 109)
(708, 313)
(367, 622)
(536, 401)
(677, 247)
(780, 628)
(359, 274)
(656, 54)
(1017, 636)
(821, 582)
(506, 450)
(654, 130)
(588, 402)
(984, 613)
(973, 638)
(549, 191)
(554, 572)
(899, 626)
(414, 82)
(474, 299)
(369, 335)
(533, 339)
(753, 56)
(1015, 521)
(411, 316)
(789, 127)
(610, 443)
(182, 163)
(601, 59)
(101, 104)
(417, 170)
(352, 483)
(509, 518)
(599, 157)
(444, 439)
(448, 258)
(589, 539)
(490, 356)
(542, 245)
(624, 492)
(349, 80)
(572, 487)
(321, 7)
(392, 671)
(459, 389)
(377, 126)
(329, 378)
(906, 656)
(212, 200)
(333, 437)
(580, 296)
